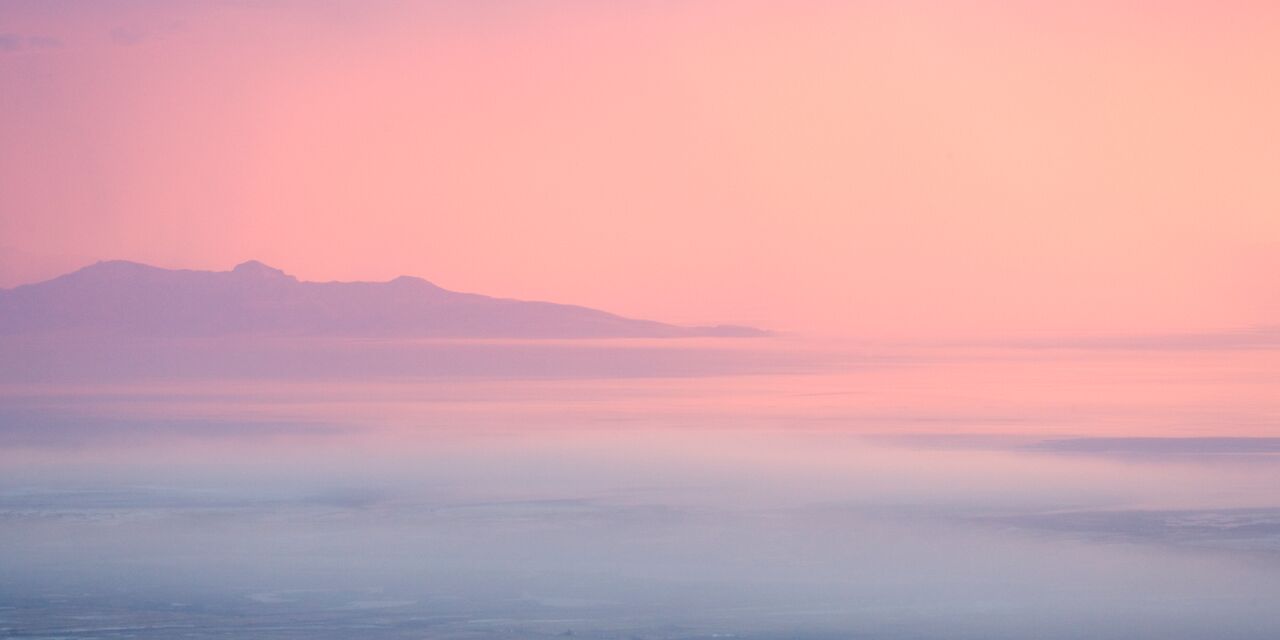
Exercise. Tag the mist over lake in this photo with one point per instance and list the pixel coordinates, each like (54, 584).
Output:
(885, 493)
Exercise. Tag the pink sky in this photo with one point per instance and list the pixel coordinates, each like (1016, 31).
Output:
(862, 169)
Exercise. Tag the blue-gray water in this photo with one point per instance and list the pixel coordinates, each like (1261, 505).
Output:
(1010, 494)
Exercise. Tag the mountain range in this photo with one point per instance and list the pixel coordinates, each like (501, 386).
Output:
(132, 299)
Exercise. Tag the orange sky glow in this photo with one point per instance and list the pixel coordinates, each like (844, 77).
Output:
(862, 169)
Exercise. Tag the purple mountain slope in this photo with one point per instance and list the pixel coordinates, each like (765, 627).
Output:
(127, 298)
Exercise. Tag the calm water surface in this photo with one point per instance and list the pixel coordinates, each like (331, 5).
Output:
(890, 493)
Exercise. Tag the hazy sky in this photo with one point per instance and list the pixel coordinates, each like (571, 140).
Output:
(869, 169)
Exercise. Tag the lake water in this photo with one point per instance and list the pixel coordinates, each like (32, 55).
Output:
(641, 491)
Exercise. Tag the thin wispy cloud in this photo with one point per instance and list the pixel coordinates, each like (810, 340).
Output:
(15, 43)
(129, 36)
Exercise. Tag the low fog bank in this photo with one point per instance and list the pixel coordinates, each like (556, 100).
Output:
(52, 360)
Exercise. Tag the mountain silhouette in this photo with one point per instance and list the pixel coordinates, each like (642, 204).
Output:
(132, 299)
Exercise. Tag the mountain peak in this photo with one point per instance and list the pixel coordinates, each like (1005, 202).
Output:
(414, 282)
(256, 269)
(118, 265)
(111, 270)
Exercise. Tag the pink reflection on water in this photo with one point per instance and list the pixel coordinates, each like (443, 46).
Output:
(899, 426)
